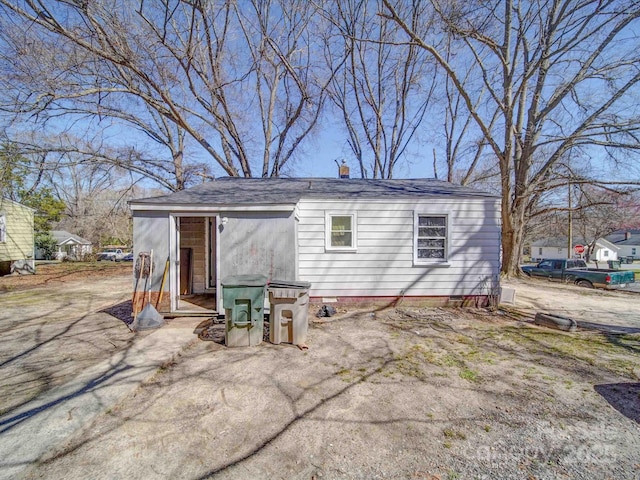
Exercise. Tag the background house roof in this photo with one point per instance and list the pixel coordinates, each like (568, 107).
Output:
(260, 191)
(62, 236)
(557, 242)
(618, 237)
(560, 242)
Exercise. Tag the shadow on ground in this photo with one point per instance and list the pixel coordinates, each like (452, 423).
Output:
(122, 311)
(605, 328)
(624, 397)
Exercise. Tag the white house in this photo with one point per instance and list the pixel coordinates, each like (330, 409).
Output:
(604, 251)
(556, 248)
(550, 248)
(628, 242)
(70, 245)
(355, 240)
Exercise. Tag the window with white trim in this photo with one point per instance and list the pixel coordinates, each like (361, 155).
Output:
(3, 229)
(430, 238)
(340, 231)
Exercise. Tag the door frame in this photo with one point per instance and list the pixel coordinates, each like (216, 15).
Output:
(174, 255)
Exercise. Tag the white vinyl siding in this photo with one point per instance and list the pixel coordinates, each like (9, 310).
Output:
(628, 250)
(383, 264)
(551, 253)
(341, 231)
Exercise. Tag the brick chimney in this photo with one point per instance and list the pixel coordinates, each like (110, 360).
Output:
(343, 170)
(627, 235)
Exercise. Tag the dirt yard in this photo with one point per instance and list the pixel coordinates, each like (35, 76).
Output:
(397, 393)
(58, 322)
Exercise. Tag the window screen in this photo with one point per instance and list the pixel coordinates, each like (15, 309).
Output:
(431, 238)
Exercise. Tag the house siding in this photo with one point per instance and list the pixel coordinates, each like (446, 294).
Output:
(258, 243)
(383, 263)
(19, 232)
(151, 231)
(553, 253)
(603, 254)
(629, 251)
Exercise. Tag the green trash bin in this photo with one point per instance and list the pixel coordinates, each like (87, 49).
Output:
(243, 303)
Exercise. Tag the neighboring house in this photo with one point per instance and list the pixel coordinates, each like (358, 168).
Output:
(68, 245)
(355, 240)
(556, 248)
(628, 241)
(550, 248)
(16, 237)
(604, 251)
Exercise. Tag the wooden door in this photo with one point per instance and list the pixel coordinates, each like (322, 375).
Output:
(185, 271)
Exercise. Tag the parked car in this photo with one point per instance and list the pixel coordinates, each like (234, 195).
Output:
(577, 272)
(111, 254)
(127, 258)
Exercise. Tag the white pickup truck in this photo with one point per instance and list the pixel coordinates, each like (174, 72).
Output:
(111, 254)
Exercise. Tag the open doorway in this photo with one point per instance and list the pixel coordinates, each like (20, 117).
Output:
(197, 265)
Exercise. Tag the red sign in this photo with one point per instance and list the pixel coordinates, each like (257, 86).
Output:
(579, 249)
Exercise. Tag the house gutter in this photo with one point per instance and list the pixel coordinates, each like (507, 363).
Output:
(136, 207)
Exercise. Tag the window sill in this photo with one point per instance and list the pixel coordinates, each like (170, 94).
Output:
(340, 250)
(432, 264)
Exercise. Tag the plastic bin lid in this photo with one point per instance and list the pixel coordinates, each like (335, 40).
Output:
(288, 284)
(244, 281)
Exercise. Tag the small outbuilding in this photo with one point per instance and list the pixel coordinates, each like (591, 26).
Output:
(355, 240)
(16, 237)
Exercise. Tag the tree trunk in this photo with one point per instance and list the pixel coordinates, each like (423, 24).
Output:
(513, 226)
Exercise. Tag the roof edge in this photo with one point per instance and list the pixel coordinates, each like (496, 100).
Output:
(5, 199)
(194, 207)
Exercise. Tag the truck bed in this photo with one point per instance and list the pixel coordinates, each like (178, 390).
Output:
(600, 277)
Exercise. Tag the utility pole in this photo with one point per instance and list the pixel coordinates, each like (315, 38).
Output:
(570, 232)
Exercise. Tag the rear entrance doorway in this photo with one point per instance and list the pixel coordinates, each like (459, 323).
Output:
(197, 265)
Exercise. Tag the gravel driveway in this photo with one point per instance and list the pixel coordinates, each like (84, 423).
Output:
(397, 393)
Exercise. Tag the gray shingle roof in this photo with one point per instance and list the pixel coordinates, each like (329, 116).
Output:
(62, 236)
(560, 242)
(270, 191)
(618, 237)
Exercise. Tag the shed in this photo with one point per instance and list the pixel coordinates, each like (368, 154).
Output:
(355, 240)
(16, 237)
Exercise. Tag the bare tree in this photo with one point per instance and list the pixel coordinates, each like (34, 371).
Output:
(598, 212)
(96, 198)
(382, 91)
(175, 70)
(560, 76)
